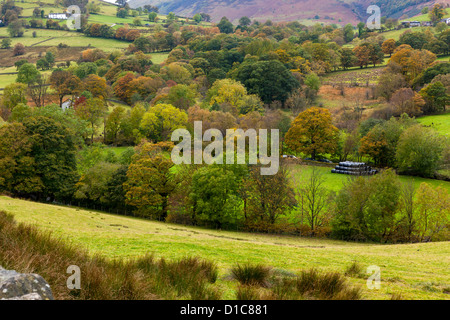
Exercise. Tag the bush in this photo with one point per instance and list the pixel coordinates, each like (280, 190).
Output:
(19, 49)
(328, 286)
(247, 293)
(354, 270)
(248, 274)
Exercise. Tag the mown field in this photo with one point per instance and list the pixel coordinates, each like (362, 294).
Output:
(416, 271)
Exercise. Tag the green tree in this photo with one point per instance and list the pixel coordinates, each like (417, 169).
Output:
(150, 181)
(313, 199)
(271, 80)
(17, 165)
(267, 198)
(436, 97)
(225, 26)
(161, 120)
(349, 33)
(13, 94)
(93, 184)
(419, 151)
(27, 74)
(6, 43)
(182, 96)
(197, 18)
(15, 29)
(433, 205)
(53, 150)
(50, 58)
(366, 208)
(92, 110)
(20, 112)
(245, 21)
(152, 16)
(348, 58)
(214, 195)
(113, 122)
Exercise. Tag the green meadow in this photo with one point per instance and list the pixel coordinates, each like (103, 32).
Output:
(416, 271)
(441, 123)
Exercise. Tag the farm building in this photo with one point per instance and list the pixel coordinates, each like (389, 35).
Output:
(427, 24)
(57, 16)
(414, 24)
(67, 104)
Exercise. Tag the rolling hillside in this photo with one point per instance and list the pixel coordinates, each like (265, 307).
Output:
(329, 11)
(416, 271)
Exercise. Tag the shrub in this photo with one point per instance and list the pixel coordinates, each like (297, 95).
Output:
(19, 49)
(248, 274)
(329, 286)
(354, 270)
(247, 293)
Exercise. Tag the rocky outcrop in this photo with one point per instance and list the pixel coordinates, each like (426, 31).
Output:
(23, 286)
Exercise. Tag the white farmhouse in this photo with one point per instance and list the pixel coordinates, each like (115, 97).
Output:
(57, 16)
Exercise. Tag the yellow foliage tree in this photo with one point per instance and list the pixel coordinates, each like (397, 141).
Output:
(312, 132)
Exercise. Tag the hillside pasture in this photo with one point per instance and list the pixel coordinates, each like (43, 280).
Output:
(441, 123)
(416, 271)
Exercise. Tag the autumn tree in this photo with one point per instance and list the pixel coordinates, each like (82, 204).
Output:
(312, 133)
(19, 49)
(413, 62)
(389, 46)
(58, 81)
(405, 100)
(437, 13)
(17, 166)
(96, 86)
(161, 120)
(229, 93)
(362, 54)
(150, 181)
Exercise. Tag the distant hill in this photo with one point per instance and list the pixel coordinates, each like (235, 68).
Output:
(330, 11)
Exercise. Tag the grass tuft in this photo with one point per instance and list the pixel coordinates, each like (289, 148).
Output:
(354, 270)
(248, 274)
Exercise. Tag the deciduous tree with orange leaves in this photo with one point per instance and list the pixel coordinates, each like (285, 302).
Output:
(312, 133)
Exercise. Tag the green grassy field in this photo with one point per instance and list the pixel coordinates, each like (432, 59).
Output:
(335, 181)
(425, 17)
(441, 123)
(72, 39)
(416, 271)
